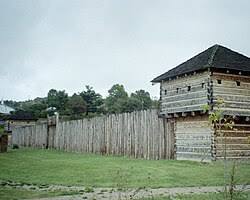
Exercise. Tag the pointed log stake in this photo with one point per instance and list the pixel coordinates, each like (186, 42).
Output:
(176, 115)
(183, 114)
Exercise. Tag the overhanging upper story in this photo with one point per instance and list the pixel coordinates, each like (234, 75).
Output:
(217, 72)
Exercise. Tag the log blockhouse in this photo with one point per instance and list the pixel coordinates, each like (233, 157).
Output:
(217, 72)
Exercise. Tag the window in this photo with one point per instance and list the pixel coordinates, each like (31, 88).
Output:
(189, 88)
(219, 81)
(177, 90)
(203, 85)
(165, 92)
(238, 83)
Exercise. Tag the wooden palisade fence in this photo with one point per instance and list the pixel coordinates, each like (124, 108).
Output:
(140, 134)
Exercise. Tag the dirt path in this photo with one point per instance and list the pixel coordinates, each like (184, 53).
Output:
(114, 193)
(106, 194)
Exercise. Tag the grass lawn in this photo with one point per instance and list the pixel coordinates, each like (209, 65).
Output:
(14, 194)
(35, 166)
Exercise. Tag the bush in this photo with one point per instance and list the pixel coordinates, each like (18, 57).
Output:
(15, 146)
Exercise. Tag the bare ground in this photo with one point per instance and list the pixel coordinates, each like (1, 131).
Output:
(114, 193)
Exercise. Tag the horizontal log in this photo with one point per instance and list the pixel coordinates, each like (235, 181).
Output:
(191, 143)
(184, 86)
(234, 111)
(197, 78)
(182, 91)
(201, 131)
(234, 158)
(230, 77)
(193, 124)
(184, 96)
(233, 146)
(185, 103)
(198, 119)
(230, 91)
(241, 125)
(232, 140)
(240, 105)
(233, 153)
(232, 97)
(194, 149)
(233, 133)
(193, 156)
(232, 84)
(193, 136)
(183, 109)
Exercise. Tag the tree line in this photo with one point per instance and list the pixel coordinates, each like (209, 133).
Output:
(87, 103)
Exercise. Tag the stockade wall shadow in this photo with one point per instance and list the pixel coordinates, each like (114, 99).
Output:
(139, 134)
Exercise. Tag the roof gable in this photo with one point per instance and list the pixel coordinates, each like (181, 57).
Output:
(214, 57)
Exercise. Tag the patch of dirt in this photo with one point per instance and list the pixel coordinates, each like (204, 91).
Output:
(114, 193)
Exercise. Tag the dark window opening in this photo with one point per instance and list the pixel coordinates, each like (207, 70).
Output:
(189, 88)
(219, 81)
(238, 83)
(165, 92)
(177, 90)
(203, 85)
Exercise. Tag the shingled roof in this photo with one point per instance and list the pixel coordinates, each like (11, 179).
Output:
(217, 57)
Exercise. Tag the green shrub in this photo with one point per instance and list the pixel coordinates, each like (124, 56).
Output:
(15, 146)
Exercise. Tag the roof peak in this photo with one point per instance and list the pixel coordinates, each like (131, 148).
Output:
(211, 59)
(216, 56)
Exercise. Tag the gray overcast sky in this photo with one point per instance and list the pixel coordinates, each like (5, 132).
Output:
(69, 44)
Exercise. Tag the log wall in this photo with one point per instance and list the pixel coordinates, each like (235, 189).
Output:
(235, 141)
(194, 138)
(138, 134)
(185, 94)
(236, 97)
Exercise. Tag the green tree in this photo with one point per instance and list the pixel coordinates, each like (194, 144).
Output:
(76, 104)
(141, 99)
(57, 99)
(92, 99)
(30, 108)
(117, 100)
(38, 110)
(13, 104)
